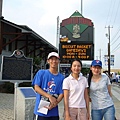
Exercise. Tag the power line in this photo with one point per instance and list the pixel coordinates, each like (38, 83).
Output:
(115, 35)
(112, 18)
(116, 11)
(108, 12)
(116, 48)
(113, 24)
(116, 40)
(112, 9)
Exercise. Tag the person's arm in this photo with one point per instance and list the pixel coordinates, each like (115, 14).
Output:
(87, 102)
(109, 90)
(66, 104)
(89, 94)
(60, 97)
(43, 93)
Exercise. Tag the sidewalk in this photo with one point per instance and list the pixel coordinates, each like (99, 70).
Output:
(116, 99)
(7, 104)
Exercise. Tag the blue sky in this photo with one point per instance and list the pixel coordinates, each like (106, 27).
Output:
(41, 16)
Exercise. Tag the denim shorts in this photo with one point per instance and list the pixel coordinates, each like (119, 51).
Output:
(106, 113)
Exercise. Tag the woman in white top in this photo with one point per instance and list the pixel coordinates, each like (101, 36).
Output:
(100, 93)
(76, 99)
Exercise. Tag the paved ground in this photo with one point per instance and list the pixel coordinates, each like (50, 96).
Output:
(116, 99)
(7, 104)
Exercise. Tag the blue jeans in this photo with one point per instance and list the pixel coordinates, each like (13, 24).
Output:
(106, 113)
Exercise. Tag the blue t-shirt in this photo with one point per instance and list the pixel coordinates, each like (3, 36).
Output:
(51, 84)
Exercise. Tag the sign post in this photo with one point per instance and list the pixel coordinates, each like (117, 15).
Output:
(15, 98)
(16, 69)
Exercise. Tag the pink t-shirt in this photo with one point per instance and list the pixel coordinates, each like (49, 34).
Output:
(76, 91)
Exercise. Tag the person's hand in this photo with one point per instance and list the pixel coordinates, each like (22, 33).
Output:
(51, 106)
(68, 118)
(88, 116)
(90, 99)
(52, 99)
(53, 102)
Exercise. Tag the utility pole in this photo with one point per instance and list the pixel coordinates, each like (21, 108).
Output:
(100, 54)
(108, 36)
(96, 57)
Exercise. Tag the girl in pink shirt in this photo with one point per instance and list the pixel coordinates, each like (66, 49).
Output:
(76, 99)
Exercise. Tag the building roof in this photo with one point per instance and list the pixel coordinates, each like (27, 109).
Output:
(25, 29)
(24, 33)
(76, 14)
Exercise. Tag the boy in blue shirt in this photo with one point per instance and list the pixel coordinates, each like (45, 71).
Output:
(48, 86)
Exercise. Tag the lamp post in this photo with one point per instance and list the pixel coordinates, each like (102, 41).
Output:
(58, 40)
(81, 6)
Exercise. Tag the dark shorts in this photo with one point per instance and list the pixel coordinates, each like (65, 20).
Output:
(36, 117)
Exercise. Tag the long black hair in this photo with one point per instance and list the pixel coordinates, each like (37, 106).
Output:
(89, 77)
